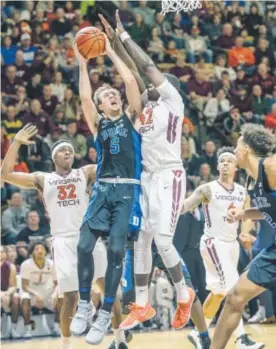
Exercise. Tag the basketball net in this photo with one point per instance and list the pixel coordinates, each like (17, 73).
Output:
(179, 5)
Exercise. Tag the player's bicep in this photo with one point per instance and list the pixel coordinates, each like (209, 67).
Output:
(154, 74)
(22, 180)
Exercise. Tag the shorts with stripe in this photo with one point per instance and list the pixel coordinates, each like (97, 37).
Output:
(220, 260)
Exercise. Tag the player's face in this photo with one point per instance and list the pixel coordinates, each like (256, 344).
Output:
(39, 252)
(111, 102)
(64, 157)
(241, 152)
(227, 165)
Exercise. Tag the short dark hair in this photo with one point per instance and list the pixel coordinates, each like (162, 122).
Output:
(59, 142)
(225, 150)
(38, 242)
(260, 139)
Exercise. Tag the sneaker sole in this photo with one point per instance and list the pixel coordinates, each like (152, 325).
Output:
(191, 340)
(136, 322)
(183, 325)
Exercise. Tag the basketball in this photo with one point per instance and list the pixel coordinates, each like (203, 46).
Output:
(90, 42)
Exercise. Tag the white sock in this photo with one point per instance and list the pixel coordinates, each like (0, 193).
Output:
(66, 343)
(142, 295)
(208, 322)
(181, 291)
(239, 331)
(28, 327)
(262, 310)
(14, 325)
(119, 336)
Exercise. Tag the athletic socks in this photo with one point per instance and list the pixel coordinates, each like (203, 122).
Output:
(142, 295)
(85, 294)
(181, 291)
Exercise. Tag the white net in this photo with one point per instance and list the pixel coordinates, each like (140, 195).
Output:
(180, 5)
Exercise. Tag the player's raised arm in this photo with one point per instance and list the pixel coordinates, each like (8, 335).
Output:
(200, 195)
(19, 179)
(132, 89)
(90, 172)
(85, 91)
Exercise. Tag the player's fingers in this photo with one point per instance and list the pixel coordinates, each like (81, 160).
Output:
(104, 21)
(118, 18)
(32, 131)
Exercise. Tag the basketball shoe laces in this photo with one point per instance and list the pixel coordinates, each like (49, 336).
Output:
(134, 308)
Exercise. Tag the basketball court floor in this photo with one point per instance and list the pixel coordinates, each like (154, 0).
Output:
(150, 340)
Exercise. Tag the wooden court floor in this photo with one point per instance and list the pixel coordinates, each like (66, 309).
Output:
(151, 340)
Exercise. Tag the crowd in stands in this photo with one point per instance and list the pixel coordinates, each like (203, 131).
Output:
(224, 55)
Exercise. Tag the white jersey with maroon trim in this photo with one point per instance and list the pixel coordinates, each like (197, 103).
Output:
(215, 211)
(66, 200)
(161, 130)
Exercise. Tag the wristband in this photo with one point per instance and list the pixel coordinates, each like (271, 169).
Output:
(124, 36)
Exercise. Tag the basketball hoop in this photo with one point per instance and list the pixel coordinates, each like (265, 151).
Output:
(178, 5)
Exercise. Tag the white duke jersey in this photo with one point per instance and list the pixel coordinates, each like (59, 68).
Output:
(161, 130)
(66, 200)
(215, 211)
(39, 278)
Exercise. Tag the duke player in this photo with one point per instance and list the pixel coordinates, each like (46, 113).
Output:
(163, 186)
(114, 207)
(253, 153)
(219, 247)
(65, 194)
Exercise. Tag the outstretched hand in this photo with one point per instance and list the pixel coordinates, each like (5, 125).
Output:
(25, 134)
(120, 28)
(78, 55)
(108, 48)
(110, 32)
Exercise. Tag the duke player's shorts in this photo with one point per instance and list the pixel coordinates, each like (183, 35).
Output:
(114, 208)
(162, 196)
(65, 257)
(262, 270)
(220, 259)
(45, 294)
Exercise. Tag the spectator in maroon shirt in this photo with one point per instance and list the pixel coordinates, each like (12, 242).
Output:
(262, 78)
(226, 39)
(264, 54)
(10, 82)
(39, 118)
(199, 90)
(22, 69)
(61, 25)
(242, 100)
(48, 101)
(183, 72)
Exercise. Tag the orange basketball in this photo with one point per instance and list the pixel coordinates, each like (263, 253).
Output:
(90, 42)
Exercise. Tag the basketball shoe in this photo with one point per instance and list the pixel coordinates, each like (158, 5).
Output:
(244, 342)
(83, 318)
(137, 315)
(99, 328)
(183, 311)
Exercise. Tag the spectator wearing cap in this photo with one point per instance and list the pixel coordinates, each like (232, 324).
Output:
(34, 86)
(240, 55)
(33, 231)
(221, 66)
(13, 125)
(216, 107)
(270, 119)
(10, 83)
(22, 69)
(78, 141)
(196, 45)
(209, 156)
(27, 48)
(5, 142)
(241, 80)
(8, 50)
(39, 118)
(48, 101)
(226, 40)
(232, 123)
(264, 54)
(61, 25)
(242, 100)
(259, 105)
(264, 79)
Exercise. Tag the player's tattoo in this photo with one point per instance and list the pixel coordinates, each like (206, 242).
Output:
(201, 195)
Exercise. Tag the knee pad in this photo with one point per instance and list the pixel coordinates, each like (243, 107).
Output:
(167, 250)
(142, 254)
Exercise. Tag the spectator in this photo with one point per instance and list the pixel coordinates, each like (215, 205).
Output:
(259, 105)
(216, 107)
(39, 37)
(139, 31)
(242, 100)
(70, 104)
(270, 119)
(196, 45)
(95, 79)
(264, 54)
(78, 141)
(33, 231)
(58, 87)
(221, 66)
(214, 28)
(241, 80)
(270, 100)
(205, 175)
(82, 124)
(5, 142)
(199, 90)
(91, 157)
(146, 13)
(48, 101)
(210, 156)
(240, 55)
(14, 218)
(191, 161)
(126, 15)
(182, 71)
(225, 84)
(39, 118)
(38, 286)
(253, 20)
(22, 250)
(10, 83)
(22, 102)
(53, 137)
(190, 138)
(163, 26)
(22, 69)
(233, 123)
(59, 118)
(8, 50)
(9, 298)
(264, 79)
(12, 124)
(27, 48)
(11, 253)
(206, 68)
(156, 47)
(61, 25)
(20, 166)
(226, 40)
(34, 87)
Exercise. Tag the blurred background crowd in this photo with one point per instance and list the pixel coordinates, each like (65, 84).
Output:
(224, 55)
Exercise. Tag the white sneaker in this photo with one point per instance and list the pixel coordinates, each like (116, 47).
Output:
(14, 333)
(28, 332)
(83, 318)
(258, 317)
(193, 337)
(99, 328)
(243, 342)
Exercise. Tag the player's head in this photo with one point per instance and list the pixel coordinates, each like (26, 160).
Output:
(153, 94)
(227, 164)
(63, 154)
(256, 141)
(108, 101)
(39, 249)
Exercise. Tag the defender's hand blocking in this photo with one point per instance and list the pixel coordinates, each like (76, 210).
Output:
(110, 32)
(108, 48)
(120, 28)
(25, 134)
